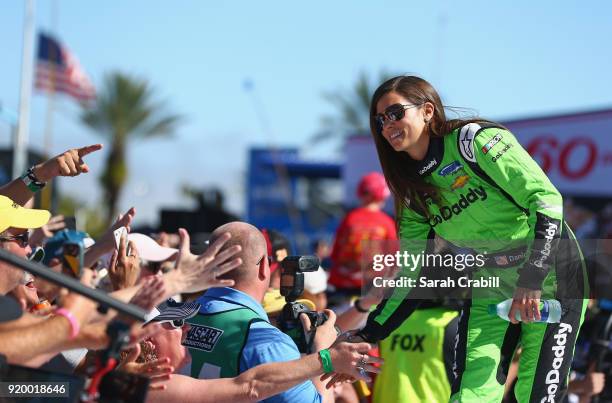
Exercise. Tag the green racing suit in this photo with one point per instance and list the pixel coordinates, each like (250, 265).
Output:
(492, 197)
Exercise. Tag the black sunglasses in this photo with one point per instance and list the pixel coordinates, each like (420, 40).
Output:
(393, 112)
(21, 238)
(154, 267)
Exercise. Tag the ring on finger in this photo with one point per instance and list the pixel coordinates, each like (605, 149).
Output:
(363, 361)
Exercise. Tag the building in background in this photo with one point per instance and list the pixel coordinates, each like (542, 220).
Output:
(302, 199)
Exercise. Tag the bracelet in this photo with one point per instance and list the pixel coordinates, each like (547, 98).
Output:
(326, 361)
(74, 324)
(358, 306)
(31, 181)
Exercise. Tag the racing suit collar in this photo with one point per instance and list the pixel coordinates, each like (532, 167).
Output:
(433, 158)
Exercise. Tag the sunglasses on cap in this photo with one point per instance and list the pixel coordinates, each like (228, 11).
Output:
(173, 324)
(393, 112)
(21, 238)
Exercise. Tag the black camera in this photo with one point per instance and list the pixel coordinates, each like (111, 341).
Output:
(292, 286)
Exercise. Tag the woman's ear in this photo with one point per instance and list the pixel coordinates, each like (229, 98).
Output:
(428, 111)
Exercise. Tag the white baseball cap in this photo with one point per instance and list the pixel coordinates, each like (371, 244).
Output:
(149, 249)
(315, 281)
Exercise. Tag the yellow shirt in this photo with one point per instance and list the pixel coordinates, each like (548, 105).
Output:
(414, 369)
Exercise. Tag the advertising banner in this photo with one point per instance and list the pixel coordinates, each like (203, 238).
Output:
(575, 151)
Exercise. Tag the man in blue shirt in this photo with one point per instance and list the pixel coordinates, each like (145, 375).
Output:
(232, 332)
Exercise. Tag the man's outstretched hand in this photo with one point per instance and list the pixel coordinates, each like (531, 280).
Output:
(68, 163)
(195, 273)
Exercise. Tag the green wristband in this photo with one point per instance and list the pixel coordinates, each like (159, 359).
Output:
(326, 361)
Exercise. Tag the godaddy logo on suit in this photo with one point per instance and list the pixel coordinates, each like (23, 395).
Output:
(552, 377)
(545, 252)
(427, 167)
(465, 201)
(501, 152)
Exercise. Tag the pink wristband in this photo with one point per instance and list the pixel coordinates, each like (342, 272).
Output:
(74, 324)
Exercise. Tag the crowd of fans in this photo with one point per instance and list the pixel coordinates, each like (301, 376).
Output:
(55, 334)
(218, 325)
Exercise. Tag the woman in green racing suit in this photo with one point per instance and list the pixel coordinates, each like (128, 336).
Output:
(471, 183)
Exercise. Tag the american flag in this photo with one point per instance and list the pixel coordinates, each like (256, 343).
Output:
(58, 70)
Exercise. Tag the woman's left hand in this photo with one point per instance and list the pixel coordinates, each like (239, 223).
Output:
(527, 303)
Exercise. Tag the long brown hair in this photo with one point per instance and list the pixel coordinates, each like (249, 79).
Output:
(408, 188)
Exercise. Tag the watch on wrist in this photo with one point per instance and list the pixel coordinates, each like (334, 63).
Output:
(31, 181)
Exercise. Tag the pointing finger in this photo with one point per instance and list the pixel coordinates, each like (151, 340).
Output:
(89, 149)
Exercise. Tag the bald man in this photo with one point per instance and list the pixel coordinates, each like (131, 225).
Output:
(232, 332)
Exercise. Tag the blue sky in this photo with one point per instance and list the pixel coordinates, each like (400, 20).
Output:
(503, 59)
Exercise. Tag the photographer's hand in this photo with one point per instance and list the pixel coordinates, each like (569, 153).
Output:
(351, 361)
(325, 334)
(352, 336)
(323, 338)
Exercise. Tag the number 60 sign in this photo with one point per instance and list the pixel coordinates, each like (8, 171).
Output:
(574, 158)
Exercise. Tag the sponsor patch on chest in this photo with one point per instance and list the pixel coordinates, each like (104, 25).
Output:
(450, 168)
(203, 338)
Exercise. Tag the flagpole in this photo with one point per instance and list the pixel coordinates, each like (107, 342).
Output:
(46, 199)
(47, 142)
(20, 142)
(47, 192)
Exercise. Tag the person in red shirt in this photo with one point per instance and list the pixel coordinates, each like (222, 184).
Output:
(366, 227)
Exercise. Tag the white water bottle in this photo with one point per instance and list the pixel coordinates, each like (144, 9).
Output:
(550, 310)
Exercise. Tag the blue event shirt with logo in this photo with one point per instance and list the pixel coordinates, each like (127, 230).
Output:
(264, 344)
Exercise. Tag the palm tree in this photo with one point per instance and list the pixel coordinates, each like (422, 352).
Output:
(124, 110)
(353, 108)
